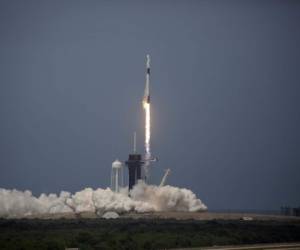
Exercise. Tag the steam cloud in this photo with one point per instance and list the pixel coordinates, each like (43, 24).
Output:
(143, 198)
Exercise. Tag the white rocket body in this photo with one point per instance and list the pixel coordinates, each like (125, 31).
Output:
(147, 90)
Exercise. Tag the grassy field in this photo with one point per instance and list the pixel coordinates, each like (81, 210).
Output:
(140, 233)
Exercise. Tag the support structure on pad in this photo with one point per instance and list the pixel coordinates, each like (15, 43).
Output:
(134, 164)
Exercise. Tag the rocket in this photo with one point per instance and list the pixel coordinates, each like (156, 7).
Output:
(146, 98)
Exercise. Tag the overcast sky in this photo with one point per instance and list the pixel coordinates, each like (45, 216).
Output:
(225, 93)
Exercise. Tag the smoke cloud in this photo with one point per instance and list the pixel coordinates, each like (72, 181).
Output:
(143, 198)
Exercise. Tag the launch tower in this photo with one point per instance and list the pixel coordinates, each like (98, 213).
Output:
(134, 165)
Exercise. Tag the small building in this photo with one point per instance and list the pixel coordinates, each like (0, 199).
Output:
(290, 211)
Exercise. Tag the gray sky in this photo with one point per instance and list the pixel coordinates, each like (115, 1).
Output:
(224, 90)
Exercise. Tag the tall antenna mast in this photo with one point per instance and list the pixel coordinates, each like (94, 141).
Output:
(134, 142)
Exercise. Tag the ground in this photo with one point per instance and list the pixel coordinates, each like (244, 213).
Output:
(147, 231)
(175, 215)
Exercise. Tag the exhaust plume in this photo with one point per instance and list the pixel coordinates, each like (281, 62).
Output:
(147, 138)
(143, 198)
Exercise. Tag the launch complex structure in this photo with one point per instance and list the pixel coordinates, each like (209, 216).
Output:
(138, 165)
(135, 161)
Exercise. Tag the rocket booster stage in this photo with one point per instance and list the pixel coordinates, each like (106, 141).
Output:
(146, 106)
(146, 98)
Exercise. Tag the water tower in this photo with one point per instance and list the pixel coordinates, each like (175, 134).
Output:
(116, 176)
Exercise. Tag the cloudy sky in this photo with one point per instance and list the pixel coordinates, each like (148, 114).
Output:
(225, 92)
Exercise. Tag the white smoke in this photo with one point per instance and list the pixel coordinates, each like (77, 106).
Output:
(143, 198)
(167, 198)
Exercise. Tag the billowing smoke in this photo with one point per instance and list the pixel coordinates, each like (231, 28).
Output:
(167, 198)
(143, 198)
